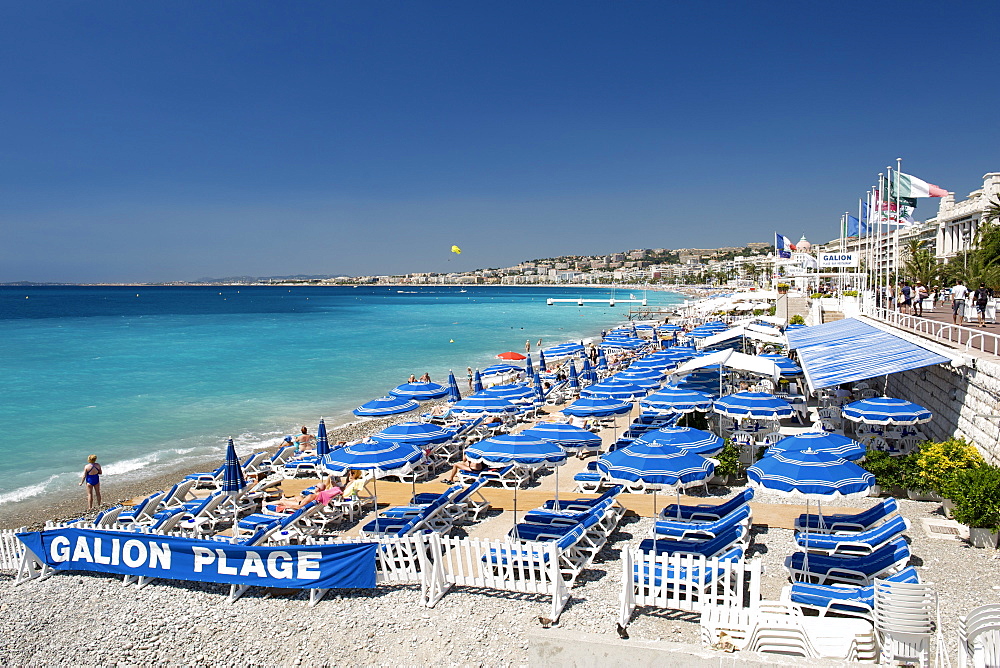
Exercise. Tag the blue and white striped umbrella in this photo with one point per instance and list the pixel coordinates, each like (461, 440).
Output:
(529, 370)
(515, 392)
(233, 481)
(811, 475)
(574, 380)
(596, 407)
(677, 400)
(387, 405)
(423, 433)
(536, 385)
(587, 373)
(420, 391)
(370, 455)
(614, 389)
(453, 393)
(541, 361)
(820, 441)
(501, 369)
(322, 442)
(566, 435)
(477, 382)
(478, 405)
(660, 465)
(647, 379)
(886, 410)
(516, 449)
(624, 343)
(786, 366)
(652, 364)
(758, 405)
(686, 438)
(602, 361)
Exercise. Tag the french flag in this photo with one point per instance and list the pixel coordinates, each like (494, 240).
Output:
(783, 245)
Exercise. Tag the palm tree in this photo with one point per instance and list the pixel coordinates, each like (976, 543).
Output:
(920, 263)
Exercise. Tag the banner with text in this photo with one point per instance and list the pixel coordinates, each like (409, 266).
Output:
(839, 259)
(347, 565)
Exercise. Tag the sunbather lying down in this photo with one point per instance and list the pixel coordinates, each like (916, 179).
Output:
(325, 491)
(464, 465)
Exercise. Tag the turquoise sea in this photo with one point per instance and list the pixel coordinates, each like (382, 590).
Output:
(156, 378)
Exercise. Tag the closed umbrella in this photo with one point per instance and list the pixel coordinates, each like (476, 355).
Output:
(885, 410)
(529, 370)
(453, 393)
(587, 373)
(387, 405)
(322, 443)
(477, 382)
(233, 482)
(541, 361)
(574, 381)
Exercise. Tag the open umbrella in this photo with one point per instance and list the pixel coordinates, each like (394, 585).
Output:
(757, 405)
(517, 449)
(693, 440)
(501, 369)
(421, 433)
(885, 410)
(820, 441)
(574, 439)
(597, 406)
(387, 405)
(677, 400)
(322, 442)
(810, 475)
(420, 391)
(615, 389)
(233, 482)
(785, 365)
(515, 392)
(380, 457)
(510, 355)
(478, 405)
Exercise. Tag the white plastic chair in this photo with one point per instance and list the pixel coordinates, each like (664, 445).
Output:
(979, 638)
(904, 621)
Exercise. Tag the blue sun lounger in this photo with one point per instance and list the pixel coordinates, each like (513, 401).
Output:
(700, 576)
(843, 599)
(848, 523)
(464, 505)
(862, 543)
(702, 530)
(581, 505)
(259, 520)
(708, 548)
(860, 570)
(428, 519)
(705, 512)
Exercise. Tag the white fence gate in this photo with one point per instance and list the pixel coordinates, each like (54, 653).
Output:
(11, 550)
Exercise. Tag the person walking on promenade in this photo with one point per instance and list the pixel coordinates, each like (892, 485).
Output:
(958, 295)
(982, 297)
(919, 295)
(92, 476)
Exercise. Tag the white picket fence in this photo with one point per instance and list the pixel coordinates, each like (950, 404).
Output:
(11, 550)
(679, 582)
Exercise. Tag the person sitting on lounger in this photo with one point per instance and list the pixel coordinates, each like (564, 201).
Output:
(305, 440)
(464, 465)
(325, 492)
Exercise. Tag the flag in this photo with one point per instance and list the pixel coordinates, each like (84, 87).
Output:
(856, 228)
(911, 186)
(783, 245)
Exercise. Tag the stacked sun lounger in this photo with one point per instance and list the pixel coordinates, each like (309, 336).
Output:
(406, 520)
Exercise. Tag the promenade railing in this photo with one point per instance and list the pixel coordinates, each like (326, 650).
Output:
(943, 332)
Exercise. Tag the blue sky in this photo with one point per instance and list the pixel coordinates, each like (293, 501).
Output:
(146, 141)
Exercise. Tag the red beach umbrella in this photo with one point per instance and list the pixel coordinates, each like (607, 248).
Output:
(511, 355)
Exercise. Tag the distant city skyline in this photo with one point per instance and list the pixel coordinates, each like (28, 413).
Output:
(164, 141)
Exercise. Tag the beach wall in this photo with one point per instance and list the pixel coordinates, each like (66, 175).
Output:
(965, 402)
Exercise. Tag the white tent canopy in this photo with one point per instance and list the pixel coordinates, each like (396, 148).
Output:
(755, 332)
(732, 360)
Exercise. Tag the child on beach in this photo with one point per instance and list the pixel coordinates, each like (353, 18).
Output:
(92, 476)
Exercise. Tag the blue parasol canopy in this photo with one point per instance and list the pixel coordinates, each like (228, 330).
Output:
(678, 400)
(820, 441)
(453, 393)
(477, 382)
(387, 405)
(372, 455)
(615, 389)
(529, 370)
(596, 407)
(885, 410)
(786, 366)
(566, 435)
(587, 373)
(500, 369)
(693, 440)
(515, 392)
(420, 391)
(574, 380)
(516, 449)
(660, 465)
(414, 432)
(233, 481)
(810, 474)
(479, 404)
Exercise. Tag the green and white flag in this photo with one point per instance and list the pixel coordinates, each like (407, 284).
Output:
(911, 186)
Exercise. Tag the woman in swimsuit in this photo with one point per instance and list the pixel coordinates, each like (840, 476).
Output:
(92, 476)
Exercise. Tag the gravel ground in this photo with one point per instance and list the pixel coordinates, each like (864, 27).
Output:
(92, 619)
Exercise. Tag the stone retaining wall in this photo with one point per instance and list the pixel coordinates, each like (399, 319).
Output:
(965, 402)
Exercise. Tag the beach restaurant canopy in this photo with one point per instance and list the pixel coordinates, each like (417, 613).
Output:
(732, 360)
(851, 350)
(755, 332)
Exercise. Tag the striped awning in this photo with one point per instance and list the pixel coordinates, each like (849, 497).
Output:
(850, 350)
